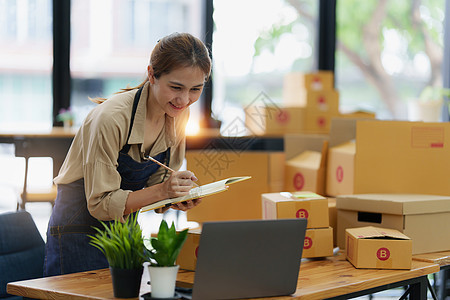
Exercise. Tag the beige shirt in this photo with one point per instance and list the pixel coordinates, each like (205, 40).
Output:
(95, 149)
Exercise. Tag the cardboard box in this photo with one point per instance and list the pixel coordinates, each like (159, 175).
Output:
(274, 120)
(242, 200)
(378, 248)
(340, 174)
(423, 218)
(321, 101)
(286, 120)
(187, 259)
(295, 83)
(317, 101)
(305, 172)
(402, 157)
(332, 214)
(306, 162)
(318, 122)
(318, 243)
(305, 205)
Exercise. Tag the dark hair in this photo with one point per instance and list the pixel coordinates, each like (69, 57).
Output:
(177, 50)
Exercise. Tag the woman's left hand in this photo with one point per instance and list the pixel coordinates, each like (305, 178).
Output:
(184, 206)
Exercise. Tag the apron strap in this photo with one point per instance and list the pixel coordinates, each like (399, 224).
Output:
(137, 96)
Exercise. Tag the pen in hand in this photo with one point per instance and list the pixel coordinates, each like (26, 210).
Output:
(164, 166)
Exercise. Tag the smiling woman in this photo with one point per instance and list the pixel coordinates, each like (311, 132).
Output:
(106, 166)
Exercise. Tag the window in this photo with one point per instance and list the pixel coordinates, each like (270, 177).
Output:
(112, 41)
(25, 64)
(387, 53)
(255, 43)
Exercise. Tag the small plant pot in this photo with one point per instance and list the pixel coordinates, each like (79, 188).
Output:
(126, 282)
(162, 281)
(68, 124)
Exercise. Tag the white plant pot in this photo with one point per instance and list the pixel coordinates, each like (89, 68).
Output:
(428, 111)
(162, 281)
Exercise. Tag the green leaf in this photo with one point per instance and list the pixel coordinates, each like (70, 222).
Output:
(167, 245)
(122, 243)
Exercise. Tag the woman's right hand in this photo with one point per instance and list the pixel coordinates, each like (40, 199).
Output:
(179, 184)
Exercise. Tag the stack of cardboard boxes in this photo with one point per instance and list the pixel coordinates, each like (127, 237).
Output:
(313, 96)
(395, 172)
(307, 205)
(384, 174)
(309, 103)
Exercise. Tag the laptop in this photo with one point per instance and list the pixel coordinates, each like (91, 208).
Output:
(248, 259)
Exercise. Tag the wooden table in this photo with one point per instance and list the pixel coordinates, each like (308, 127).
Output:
(333, 277)
(54, 143)
(443, 260)
(440, 258)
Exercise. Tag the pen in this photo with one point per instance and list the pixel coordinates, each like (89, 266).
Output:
(164, 166)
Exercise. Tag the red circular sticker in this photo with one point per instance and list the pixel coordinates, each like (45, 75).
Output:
(283, 117)
(302, 214)
(196, 252)
(339, 174)
(383, 254)
(299, 181)
(321, 121)
(307, 243)
(321, 100)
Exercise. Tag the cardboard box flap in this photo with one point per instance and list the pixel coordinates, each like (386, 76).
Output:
(348, 147)
(307, 159)
(397, 204)
(370, 232)
(295, 144)
(342, 130)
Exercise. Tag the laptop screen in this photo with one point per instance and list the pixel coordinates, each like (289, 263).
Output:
(246, 259)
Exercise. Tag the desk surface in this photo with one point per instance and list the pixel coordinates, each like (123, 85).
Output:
(440, 258)
(318, 279)
(205, 139)
(56, 132)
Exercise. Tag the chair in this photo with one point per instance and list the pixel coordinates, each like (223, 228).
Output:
(21, 250)
(28, 147)
(41, 196)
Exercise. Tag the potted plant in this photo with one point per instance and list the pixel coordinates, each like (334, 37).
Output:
(123, 246)
(428, 108)
(66, 116)
(162, 257)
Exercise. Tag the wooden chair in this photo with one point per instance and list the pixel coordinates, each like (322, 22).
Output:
(46, 195)
(40, 147)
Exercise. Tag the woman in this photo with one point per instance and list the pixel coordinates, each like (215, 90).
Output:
(106, 175)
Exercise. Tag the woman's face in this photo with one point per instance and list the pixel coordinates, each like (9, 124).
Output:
(175, 91)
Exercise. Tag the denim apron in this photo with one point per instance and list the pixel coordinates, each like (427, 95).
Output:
(67, 248)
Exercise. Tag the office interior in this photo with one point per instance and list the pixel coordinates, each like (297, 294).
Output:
(385, 58)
